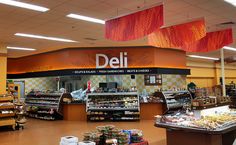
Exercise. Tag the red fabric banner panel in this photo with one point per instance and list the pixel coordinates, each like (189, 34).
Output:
(212, 41)
(178, 35)
(135, 25)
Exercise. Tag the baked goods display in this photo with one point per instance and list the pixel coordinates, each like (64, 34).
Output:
(215, 121)
(44, 105)
(113, 106)
(7, 111)
(210, 101)
(175, 99)
(204, 101)
(208, 122)
(110, 134)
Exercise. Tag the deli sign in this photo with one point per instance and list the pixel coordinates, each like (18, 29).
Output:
(113, 62)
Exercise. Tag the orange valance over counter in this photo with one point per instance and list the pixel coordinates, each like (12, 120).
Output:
(85, 58)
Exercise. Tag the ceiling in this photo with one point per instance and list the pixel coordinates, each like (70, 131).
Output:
(55, 23)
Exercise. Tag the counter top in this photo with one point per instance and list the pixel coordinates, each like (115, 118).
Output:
(82, 103)
(152, 103)
(140, 103)
(223, 130)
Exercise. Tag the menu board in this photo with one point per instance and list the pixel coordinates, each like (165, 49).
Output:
(151, 80)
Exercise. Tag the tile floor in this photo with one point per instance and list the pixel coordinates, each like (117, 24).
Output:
(40, 132)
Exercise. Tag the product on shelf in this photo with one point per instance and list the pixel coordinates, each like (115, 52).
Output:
(215, 121)
(111, 134)
(7, 111)
(136, 135)
(210, 101)
(212, 121)
(113, 106)
(204, 101)
(175, 99)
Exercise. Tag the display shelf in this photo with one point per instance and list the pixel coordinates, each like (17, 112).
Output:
(131, 119)
(39, 112)
(4, 99)
(44, 94)
(40, 103)
(113, 109)
(112, 105)
(7, 107)
(7, 119)
(8, 122)
(113, 94)
(7, 115)
(175, 99)
(47, 106)
(45, 102)
(48, 99)
(51, 118)
(210, 106)
(102, 102)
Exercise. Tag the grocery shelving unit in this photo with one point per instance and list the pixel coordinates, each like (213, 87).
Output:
(123, 106)
(47, 106)
(7, 113)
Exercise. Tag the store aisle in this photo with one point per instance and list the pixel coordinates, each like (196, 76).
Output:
(39, 132)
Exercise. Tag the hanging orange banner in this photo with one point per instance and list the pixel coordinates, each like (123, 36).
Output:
(212, 41)
(178, 35)
(135, 25)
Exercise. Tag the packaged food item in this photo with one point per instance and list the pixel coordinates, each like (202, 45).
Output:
(69, 140)
(136, 136)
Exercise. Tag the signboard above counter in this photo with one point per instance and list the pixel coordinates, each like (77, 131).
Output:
(100, 61)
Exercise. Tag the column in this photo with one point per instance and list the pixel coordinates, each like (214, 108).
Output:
(3, 69)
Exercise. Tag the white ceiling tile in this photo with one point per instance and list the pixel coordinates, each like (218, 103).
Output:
(55, 22)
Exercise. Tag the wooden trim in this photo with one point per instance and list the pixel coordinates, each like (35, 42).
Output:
(85, 48)
(71, 72)
(97, 48)
(200, 77)
(3, 54)
(208, 67)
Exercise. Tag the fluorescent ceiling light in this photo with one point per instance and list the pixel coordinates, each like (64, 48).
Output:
(44, 37)
(85, 18)
(229, 48)
(232, 2)
(24, 5)
(203, 57)
(21, 48)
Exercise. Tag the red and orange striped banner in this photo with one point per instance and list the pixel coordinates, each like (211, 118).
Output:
(135, 25)
(178, 35)
(212, 41)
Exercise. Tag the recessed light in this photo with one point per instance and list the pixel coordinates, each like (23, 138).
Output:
(21, 48)
(203, 57)
(24, 5)
(229, 48)
(85, 18)
(44, 37)
(232, 2)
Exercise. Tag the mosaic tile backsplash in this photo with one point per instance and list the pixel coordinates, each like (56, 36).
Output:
(168, 81)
